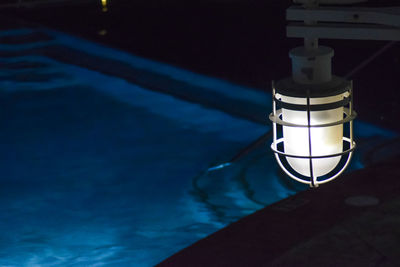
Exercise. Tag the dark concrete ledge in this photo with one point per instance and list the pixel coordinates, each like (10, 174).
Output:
(313, 228)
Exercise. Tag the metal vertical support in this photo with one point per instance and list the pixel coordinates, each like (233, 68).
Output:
(351, 112)
(313, 179)
(274, 112)
(310, 43)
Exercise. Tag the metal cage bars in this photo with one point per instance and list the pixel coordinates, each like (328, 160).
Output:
(350, 115)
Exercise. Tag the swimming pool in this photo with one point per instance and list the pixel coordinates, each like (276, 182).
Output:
(100, 171)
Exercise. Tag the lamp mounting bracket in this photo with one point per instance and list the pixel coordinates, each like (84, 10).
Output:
(344, 23)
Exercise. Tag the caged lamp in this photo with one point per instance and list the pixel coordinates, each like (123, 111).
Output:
(312, 118)
(313, 112)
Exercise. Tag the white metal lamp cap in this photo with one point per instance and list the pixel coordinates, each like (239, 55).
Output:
(311, 66)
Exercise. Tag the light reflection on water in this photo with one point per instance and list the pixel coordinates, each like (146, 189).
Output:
(94, 184)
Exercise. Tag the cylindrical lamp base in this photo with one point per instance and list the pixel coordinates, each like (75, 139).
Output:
(311, 66)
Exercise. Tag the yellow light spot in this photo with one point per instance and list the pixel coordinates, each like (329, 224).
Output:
(102, 32)
(104, 4)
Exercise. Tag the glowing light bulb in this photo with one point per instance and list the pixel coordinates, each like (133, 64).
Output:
(324, 140)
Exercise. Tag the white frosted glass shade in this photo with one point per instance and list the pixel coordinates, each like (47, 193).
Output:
(324, 140)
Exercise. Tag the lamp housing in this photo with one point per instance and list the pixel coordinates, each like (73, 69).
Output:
(312, 112)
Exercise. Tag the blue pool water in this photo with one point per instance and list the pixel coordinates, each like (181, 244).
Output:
(97, 171)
